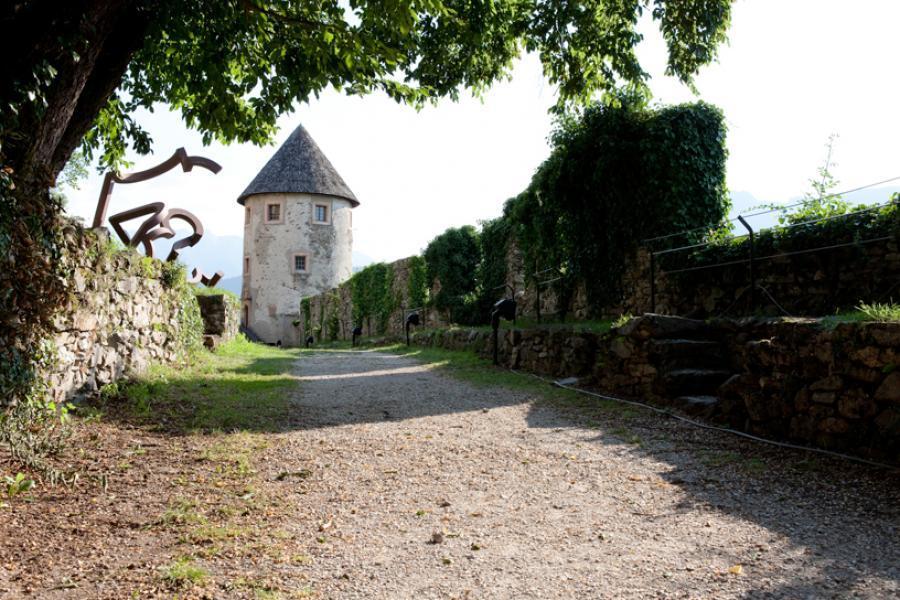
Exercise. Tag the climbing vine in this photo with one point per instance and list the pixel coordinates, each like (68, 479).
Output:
(417, 282)
(619, 173)
(372, 291)
(306, 310)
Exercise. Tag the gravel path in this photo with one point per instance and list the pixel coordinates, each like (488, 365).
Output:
(423, 486)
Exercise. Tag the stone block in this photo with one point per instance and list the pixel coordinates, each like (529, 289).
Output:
(84, 321)
(828, 384)
(823, 397)
(889, 390)
(856, 404)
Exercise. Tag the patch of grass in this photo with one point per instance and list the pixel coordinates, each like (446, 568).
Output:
(754, 466)
(181, 511)
(719, 458)
(202, 290)
(234, 453)
(241, 386)
(184, 573)
(884, 313)
(626, 435)
(208, 534)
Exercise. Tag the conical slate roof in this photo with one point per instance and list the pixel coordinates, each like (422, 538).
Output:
(299, 166)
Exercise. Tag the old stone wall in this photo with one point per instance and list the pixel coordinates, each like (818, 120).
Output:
(783, 379)
(534, 297)
(835, 388)
(810, 284)
(221, 318)
(331, 313)
(125, 312)
(551, 351)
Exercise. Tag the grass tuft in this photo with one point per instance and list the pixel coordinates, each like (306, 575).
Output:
(184, 573)
(879, 312)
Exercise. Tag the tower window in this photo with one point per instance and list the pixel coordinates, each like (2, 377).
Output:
(247, 266)
(247, 216)
(273, 213)
(320, 214)
(301, 263)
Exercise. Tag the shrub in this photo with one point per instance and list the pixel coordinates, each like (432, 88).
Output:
(452, 258)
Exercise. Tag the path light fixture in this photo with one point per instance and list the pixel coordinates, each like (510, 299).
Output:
(503, 309)
(357, 332)
(309, 341)
(411, 319)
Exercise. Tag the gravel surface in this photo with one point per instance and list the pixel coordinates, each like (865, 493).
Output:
(419, 485)
(391, 479)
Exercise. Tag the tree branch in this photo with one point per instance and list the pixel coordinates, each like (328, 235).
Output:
(251, 6)
(109, 68)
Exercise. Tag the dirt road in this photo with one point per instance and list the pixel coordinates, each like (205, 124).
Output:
(423, 486)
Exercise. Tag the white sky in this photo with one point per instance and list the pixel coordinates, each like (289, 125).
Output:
(793, 72)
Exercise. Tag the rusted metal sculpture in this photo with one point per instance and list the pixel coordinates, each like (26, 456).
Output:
(158, 222)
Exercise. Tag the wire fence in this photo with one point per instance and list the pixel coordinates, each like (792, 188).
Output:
(682, 259)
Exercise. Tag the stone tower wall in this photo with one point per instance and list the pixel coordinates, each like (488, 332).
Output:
(271, 288)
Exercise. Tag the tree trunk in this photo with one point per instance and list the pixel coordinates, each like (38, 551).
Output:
(89, 43)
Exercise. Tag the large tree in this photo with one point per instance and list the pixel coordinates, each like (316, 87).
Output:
(75, 71)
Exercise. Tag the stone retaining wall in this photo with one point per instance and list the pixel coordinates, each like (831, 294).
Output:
(123, 314)
(810, 284)
(792, 379)
(836, 388)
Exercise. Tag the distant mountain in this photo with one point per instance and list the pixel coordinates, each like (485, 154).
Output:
(232, 284)
(216, 253)
(225, 253)
(361, 261)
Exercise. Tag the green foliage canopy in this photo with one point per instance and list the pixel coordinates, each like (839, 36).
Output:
(452, 259)
(232, 67)
(617, 175)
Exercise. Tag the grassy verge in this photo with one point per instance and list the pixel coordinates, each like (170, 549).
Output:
(883, 313)
(219, 511)
(241, 386)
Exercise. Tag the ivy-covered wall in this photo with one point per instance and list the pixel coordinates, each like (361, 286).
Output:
(616, 176)
(123, 312)
(377, 298)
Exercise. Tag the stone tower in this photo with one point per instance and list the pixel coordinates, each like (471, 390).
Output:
(298, 237)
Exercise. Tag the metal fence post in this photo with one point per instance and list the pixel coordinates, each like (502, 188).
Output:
(752, 264)
(652, 282)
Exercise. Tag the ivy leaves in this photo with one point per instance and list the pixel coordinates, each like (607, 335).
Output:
(452, 259)
(617, 175)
